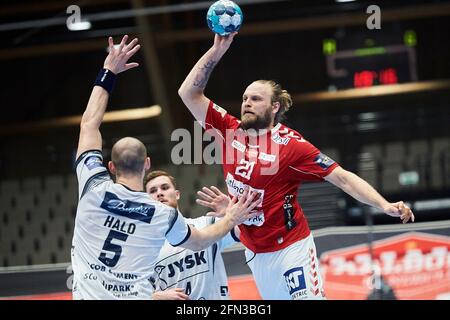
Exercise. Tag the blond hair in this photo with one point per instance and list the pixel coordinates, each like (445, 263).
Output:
(281, 96)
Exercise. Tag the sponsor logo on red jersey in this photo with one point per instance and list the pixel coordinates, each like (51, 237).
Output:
(236, 188)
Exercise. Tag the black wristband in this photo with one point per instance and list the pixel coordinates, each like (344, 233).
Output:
(105, 79)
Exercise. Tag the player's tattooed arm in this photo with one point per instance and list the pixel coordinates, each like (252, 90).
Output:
(192, 89)
(202, 77)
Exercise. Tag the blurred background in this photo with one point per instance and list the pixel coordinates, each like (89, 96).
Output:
(375, 100)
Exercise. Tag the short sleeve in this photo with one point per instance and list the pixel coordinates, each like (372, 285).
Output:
(308, 163)
(217, 118)
(178, 231)
(90, 171)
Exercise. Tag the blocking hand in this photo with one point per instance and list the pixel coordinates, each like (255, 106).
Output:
(240, 211)
(215, 199)
(117, 59)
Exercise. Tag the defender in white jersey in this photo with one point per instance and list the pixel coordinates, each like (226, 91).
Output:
(119, 229)
(200, 275)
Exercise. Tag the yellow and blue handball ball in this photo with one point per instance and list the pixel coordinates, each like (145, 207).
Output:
(224, 17)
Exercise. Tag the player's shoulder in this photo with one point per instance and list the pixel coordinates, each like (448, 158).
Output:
(286, 136)
(218, 108)
(223, 113)
(91, 158)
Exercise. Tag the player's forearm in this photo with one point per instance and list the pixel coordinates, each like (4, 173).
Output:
(361, 190)
(95, 110)
(195, 82)
(209, 235)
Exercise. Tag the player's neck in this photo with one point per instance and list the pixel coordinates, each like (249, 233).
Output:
(258, 132)
(132, 183)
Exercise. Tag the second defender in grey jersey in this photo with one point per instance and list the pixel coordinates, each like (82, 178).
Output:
(202, 274)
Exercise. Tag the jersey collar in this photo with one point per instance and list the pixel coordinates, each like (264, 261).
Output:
(272, 131)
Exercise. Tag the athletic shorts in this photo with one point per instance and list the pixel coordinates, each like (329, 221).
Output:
(288, 274)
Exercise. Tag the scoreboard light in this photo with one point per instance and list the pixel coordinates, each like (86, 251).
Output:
(369, 78)
(381, 64)
(329, 46)
(370, 51)
(410, 38)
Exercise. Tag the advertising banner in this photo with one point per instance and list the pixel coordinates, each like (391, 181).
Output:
(401, 264)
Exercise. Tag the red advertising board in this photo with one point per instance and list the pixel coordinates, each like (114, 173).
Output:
(416, 265)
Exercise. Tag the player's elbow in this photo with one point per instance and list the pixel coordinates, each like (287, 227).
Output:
(85, 123)
(88, 123)
(183, 91)
(186, 96)
(343, 177)
(189, 95)
(338, 177)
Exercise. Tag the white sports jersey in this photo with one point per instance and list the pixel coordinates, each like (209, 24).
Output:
(201, 273)
(118, 235)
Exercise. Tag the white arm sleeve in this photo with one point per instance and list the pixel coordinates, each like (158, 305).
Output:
(90, 171)
(178, 232)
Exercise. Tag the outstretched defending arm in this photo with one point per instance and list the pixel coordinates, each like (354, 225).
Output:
(116, 62)
(192, 89)
(364, 192)
(236, 213)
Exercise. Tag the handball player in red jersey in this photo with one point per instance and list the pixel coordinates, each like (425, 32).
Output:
(261, 153)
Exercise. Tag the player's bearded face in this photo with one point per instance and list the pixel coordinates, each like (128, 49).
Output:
(256, 109)
(256, 121)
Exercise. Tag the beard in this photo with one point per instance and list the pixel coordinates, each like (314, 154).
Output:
(256, 122)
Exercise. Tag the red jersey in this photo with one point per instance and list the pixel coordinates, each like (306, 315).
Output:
(273, 164)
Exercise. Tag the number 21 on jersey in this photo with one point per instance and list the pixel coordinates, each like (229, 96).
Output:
(245, 169)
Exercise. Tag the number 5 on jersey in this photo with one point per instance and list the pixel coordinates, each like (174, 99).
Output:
(111, 247)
